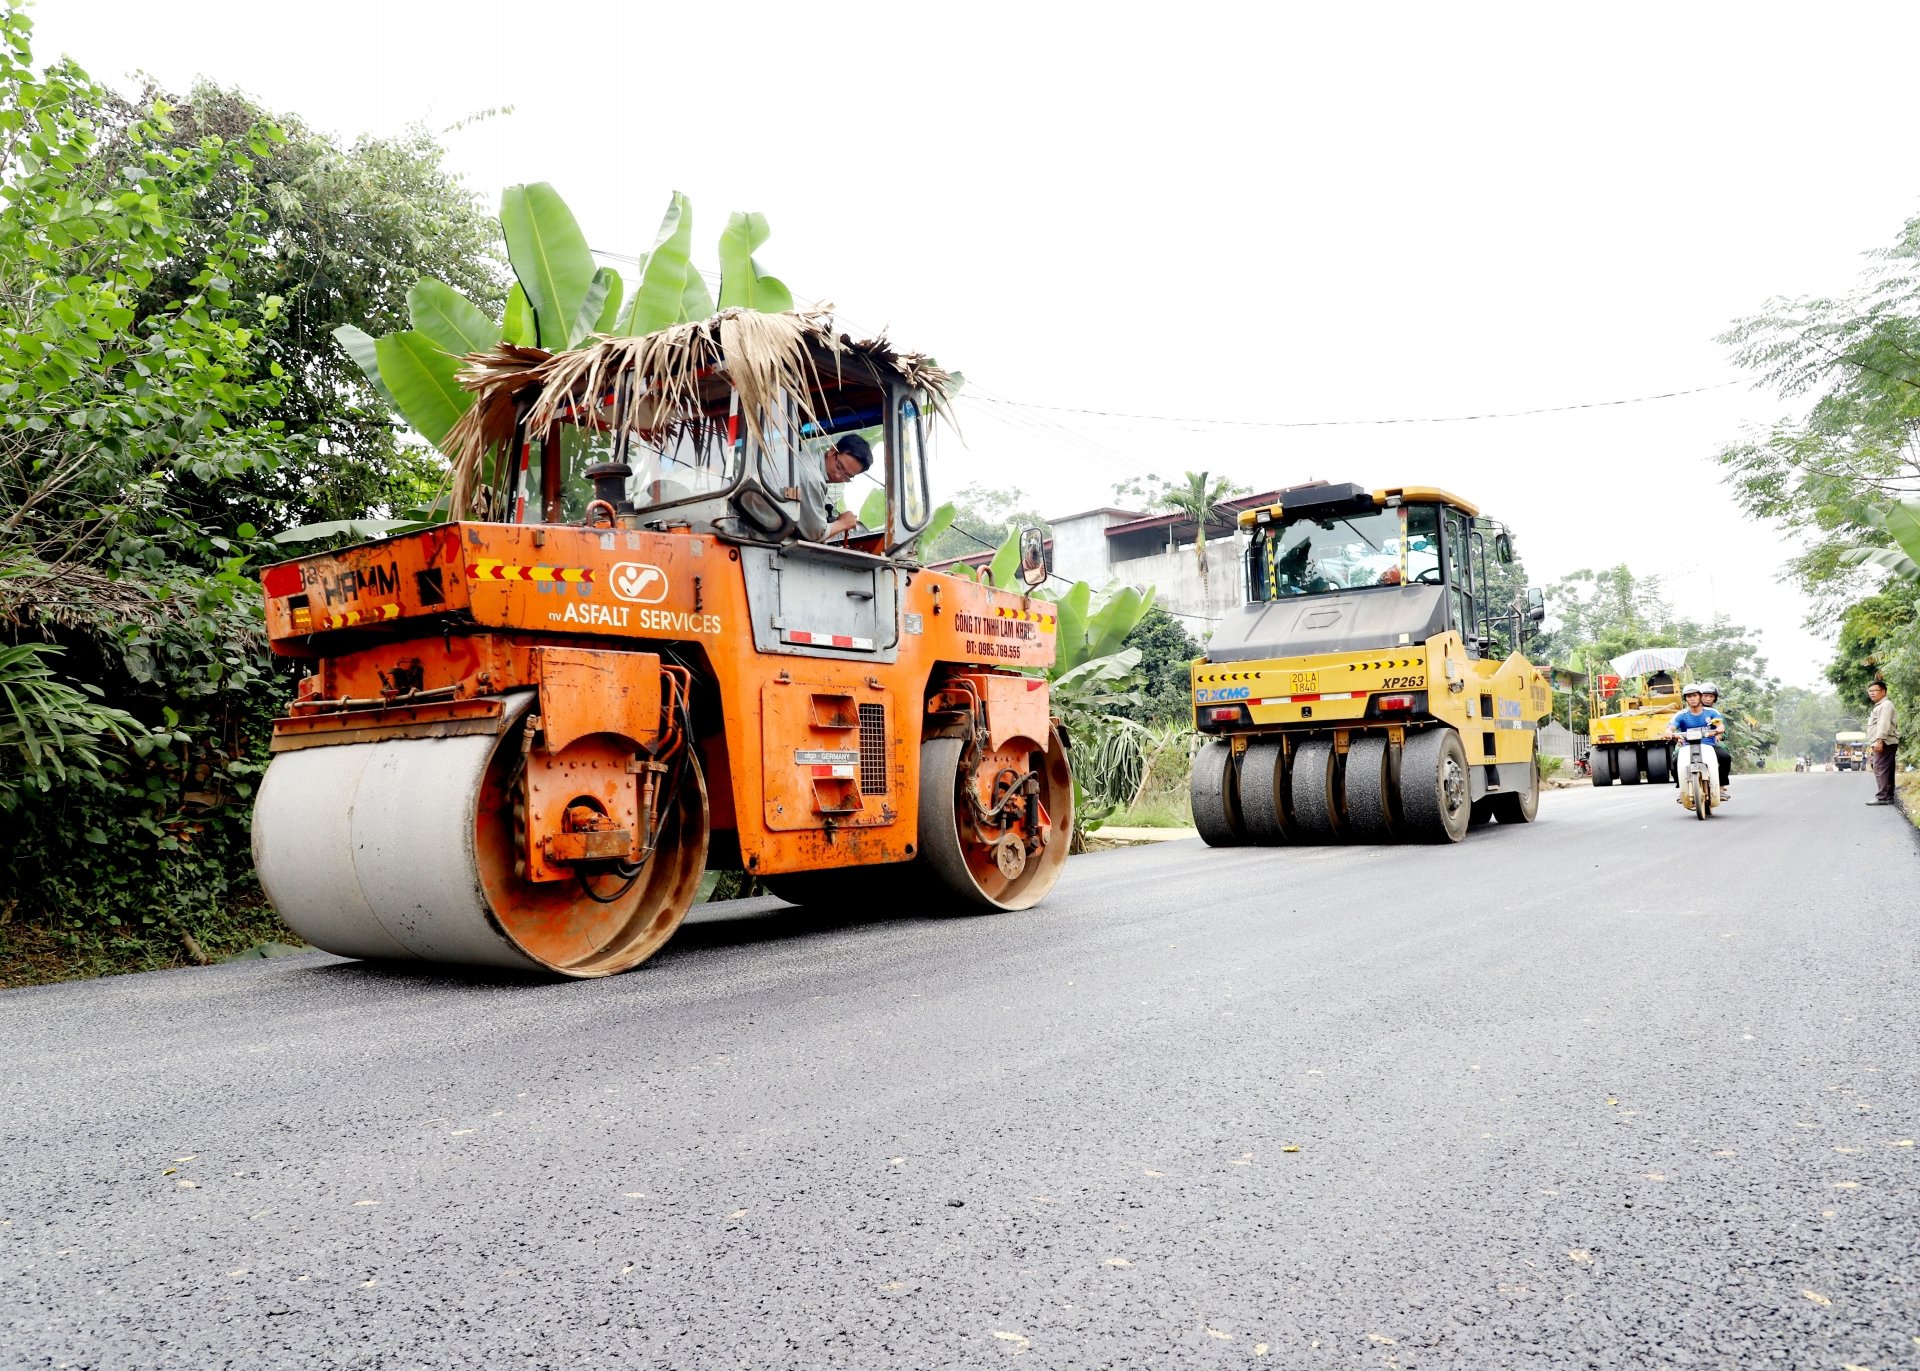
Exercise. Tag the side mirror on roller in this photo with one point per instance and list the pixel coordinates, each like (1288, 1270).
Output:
(1036, 558)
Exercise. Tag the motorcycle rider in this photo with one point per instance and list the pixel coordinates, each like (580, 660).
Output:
(1709, 702)
(1697, 715)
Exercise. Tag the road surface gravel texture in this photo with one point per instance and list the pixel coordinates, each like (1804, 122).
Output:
(1618, 1089)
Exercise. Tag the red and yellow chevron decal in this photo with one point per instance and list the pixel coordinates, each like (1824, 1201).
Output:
(485, 569)
(1029, 616)
(306, 621)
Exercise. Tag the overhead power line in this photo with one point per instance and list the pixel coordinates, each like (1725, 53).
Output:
(1350, 423)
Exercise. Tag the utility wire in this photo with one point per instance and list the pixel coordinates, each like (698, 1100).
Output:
(1357, 423)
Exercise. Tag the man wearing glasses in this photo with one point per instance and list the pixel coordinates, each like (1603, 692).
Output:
(847, 458)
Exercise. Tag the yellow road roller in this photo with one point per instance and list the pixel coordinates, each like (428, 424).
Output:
(1357, 694)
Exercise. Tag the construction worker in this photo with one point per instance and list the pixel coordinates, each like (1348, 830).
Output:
(847, 458)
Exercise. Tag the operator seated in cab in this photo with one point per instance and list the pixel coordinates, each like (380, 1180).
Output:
(849, 455)
(1698, 715)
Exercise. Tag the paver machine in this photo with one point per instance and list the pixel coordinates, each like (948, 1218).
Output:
(1358, 694)
(1628, 714)
(524, 734)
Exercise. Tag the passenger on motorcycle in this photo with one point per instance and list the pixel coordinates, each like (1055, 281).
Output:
(1709, 700)
(1697, 715)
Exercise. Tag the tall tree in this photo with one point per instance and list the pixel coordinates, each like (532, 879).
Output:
(344, 233)
(1854, 361)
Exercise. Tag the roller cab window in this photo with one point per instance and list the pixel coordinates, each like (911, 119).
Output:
(1322, 554)
(676, 454)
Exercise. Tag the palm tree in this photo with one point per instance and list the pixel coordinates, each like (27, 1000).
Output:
(1196, 499)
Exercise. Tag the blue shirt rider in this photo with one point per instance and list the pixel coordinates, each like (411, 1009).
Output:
(1698, 715)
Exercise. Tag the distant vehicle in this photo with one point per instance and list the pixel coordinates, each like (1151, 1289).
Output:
(1850, 751)
(1628, 713)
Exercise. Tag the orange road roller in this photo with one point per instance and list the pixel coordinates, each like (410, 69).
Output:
(637, 651)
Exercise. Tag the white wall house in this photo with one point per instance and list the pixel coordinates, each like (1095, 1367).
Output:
(1108, 544)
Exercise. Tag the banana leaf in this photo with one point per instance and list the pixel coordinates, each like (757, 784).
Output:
(1903, 522)
(873, 510)
(1003, 571)
(610, 311)
(453, 322)
(696, 301)
(1886, 558)
(660, 297)
(602, 300)
(1070, 633)
(421, 377)
(518, 327)
(550, 258)
(941, 521)
(1109, 625)
(360, 347)
(741, 284)
(353, 528)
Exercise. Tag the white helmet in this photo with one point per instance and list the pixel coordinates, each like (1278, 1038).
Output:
(1708, 688)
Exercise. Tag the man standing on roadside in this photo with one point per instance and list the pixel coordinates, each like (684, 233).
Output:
(1883, 741)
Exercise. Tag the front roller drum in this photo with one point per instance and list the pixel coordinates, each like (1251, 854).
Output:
(1214, 790)
(408, 849)
(974, 867)
(1316, 791)
(1266, 807)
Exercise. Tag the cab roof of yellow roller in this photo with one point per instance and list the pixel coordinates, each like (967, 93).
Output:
(1324, 494)
(801, 353)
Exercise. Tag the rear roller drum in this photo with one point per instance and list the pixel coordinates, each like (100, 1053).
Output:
(1266, 809)
(1214, 791)
(1434, 783)
(1315, 791)
(1600, 762)
(1626, 765)
(1371, 786)
(979, 867)
(408, 848)
(1519, 806)
(1659, 765)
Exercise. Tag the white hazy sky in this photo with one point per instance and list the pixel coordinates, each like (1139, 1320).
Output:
(1251, 212)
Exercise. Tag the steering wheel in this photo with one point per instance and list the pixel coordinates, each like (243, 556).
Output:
(1429, 577)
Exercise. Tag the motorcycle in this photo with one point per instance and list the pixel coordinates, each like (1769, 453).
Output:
(1699, 771)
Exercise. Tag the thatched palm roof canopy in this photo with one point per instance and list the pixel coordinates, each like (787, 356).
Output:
(761, 356)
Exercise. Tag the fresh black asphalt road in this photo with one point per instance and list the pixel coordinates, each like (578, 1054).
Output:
(1616, 1089)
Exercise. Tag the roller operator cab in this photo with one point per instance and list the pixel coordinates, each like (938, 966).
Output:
(525, 734)
(1360, 693)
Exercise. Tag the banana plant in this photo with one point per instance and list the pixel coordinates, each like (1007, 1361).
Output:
(1902, 559)
(560, 299)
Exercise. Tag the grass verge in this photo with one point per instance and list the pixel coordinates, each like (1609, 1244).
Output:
(33, 954)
